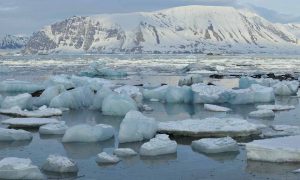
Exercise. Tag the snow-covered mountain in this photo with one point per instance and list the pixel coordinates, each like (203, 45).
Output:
(187, 29)
(11, 42)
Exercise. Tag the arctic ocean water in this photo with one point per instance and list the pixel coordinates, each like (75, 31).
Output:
(156, 69)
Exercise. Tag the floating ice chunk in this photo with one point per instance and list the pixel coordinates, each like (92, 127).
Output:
(92, 82)
(118, 105)
(99, 97)
(20, 100)
(210, 127)
(282, 130)
(17, 111)
(19, 86)
(209, 94)
(104, 158)
(60, 164)
(215, 145)
(282, 149)
(211, 107)
(275, 107)
(159, 145)
(146, 107)
(14, 135)
(262, 93)
(179, 94)
(81, 97)
(157, 93)
(124, 152)
(57, 128)
(28, 122)
(19, 168)
(286, 88)
(136, 127)
(132, 91)
(190, 80)
(63, 80)
(296, 171)
(264, 113)
(99, 70)
(246, 82)
(87, 133)
(48, 95)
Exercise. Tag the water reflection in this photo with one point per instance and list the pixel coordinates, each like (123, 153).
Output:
(13, 144)
(156, 160)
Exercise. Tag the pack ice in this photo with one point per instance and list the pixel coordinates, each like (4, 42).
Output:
(19, 168)
(87, 133)
(60, 164)
(282, 149)
(20, 100)
(104, 158)
(136, 127)
(210, 127)
(215, 145)
(28, 122)
(159, 145)
(14, 135)
(41, 112)
(54, 129)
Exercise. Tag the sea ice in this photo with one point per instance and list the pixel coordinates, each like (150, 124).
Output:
(136, 127)
(28, 122)
(263, 113)
(215, 145)
(275, 107)
(118, 105)
(159, 145)
(42, 112)
(210, 127)
(19, 168)
(87, 133)
(14, 135)
(20, 100)
(56, 129)
(19, 86)
(211, 107)
(124, 152)
(104, 158)
(282, 149)
(60, 164)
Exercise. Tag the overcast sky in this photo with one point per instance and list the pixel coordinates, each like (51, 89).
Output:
(27, 16)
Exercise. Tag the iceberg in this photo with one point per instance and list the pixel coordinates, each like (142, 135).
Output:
(157, 93)
(209, 94)
(54, 129)
(118, 105)
(60, 164)
(19, 168)
(215, 145)
(14, 135)
(246, 82)
(160, 145)
(132, 91)
(87, 133)
(190, 80)
(60, 80)
(264, 113)
(124, 152)
(41, 112)
(136, 127)
(104, 158)
(20, 86)
(210, 127)
(20, 100)
(48, 95)
(286, 88)
(211, 107)
(97, 83)
(275, 107)
(281, 149)
(99, 97)
(99, 70)
(179, 94)
(28, 122)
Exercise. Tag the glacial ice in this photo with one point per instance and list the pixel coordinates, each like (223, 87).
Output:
(87, 133)
(14, 135)
(210, 127)
(136, 127)
(275, 107)
(159, 145)
(28, 122)
(124, 152)
(132, 91)
(118, 105)
(104, 158)
(190, 80)
(209, 94)
(48, 95)
(60, 164)
(19, 86)
(281, 149)
(179, 94)
(41, 112)
(63, 80)
(211, 107)
(286, 88)
(19, 168)
(100, 70)
(215, 145)
(20, 100)
(99, 97)
(246, 82)
(157, 93)
(263, 113)
(54, 129)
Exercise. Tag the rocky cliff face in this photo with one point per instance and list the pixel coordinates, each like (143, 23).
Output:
(10, 42)
(188, 29)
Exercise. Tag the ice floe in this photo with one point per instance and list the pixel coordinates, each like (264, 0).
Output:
(104, 158)
(14, 135)
(275, 107)
(118, 105)
(19, 86)
(210, 127)
(19, 168)
(60, 164)
(41, 112)
(281, 149)
(281, 130)
(54, 129)
(124, 152)
(211, 107)
(159, 145)
(20, 100)
(263, 113)
(87, 133)
(28, 122)
(136, 127)
(215, 145)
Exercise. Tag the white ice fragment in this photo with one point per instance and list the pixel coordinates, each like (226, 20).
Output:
(41, 112)
(157, 93)
(19, 86)
(275, 107)
(215, 145)
(132, 91)
(28, 122)
(281, 130)
(54, 129)
(263, 113)
(159, 145)
(60, 164)
(211, 107)
(104, 158)
(49, 93)
(175, 94)
(20, 100)
(14, 135)
(286, 88)
(118, 105)
(209, 94)
(124, 152)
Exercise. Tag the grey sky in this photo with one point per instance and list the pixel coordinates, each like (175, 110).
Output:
(27, 16)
